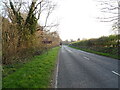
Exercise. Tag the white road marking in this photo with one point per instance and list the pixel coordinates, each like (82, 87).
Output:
(87, 58)
(84, 52)
(116, 73)
(57, 72)
(69, 50)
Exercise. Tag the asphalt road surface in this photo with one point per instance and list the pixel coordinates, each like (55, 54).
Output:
(79, 69)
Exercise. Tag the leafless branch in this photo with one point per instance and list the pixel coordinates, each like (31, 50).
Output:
(50, 9)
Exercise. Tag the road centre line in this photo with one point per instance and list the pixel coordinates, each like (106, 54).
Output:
(69, 50)
(87, 58)
(116, 73)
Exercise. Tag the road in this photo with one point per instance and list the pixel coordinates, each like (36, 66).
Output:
(79, 69)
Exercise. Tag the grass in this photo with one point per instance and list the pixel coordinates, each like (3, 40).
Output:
(99, 53)
(36, 73)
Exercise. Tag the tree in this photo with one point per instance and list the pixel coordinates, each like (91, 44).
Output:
(20, 25)
(27, 26)
(110, 10)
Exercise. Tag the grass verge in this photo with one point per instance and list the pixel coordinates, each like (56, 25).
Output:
(99, 53)
(36, 73)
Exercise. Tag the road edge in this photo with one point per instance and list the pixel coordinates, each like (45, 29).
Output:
(57, 66)
(55, 73)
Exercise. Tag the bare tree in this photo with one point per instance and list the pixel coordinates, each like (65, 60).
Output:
(111, 12)
(110, 8)
(16, 9)
(21, 25)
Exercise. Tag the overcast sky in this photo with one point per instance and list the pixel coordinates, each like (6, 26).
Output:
(77, 19)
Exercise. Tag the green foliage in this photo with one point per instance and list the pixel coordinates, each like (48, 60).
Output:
(16, 14)
(34, 74)
(96, 52)
(31, 20)
(106, 44)
(31, 24)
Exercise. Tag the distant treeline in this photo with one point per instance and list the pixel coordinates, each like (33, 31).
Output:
(105, 44)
